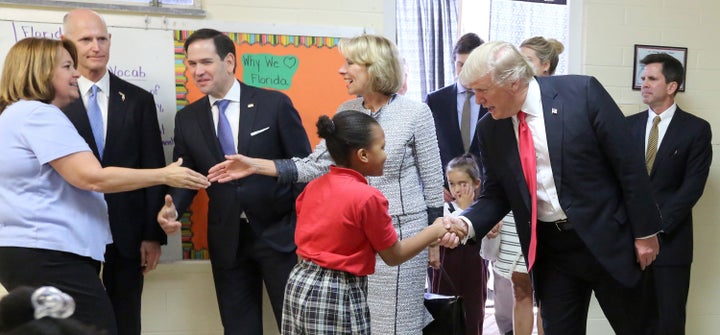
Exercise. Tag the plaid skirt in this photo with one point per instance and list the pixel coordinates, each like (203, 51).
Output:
(324, 301)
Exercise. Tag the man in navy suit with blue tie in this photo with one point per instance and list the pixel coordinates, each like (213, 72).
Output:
(677, 151)
(251, 221)
(592, 226)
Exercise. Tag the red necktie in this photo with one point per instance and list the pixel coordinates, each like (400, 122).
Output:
(527, 159)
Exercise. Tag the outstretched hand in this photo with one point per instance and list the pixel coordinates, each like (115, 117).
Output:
(234, 167)
(168, 217)
(178, 176)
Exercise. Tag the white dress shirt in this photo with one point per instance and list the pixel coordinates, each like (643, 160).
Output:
(232, 112)
(665, 118)
(548, 202)
(103, 97)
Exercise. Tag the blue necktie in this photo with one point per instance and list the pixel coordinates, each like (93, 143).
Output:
(224, 132)
(96, 120)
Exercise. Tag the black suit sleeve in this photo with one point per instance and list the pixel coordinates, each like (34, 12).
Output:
(679, 204)
(152, 156)
(614, 137)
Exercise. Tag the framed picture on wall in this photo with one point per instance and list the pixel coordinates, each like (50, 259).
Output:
(643, 50)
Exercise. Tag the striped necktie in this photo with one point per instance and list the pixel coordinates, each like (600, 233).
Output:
(652, 145)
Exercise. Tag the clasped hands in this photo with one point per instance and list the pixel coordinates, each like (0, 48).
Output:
(456, 230)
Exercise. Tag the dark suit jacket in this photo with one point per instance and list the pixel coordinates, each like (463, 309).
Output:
(269, 206)
(602, 186)
(443, 104)
(133, 141)
(678, 179)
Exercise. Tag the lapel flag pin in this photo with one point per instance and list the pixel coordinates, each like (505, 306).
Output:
(251, 105)
(553, 110)
(122, 96)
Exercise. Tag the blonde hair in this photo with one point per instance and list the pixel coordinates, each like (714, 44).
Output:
(381, 58)
(502, 60)
(546, 50)
(29, 68)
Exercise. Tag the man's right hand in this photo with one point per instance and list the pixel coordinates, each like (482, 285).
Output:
(457, 230)
(167, 217)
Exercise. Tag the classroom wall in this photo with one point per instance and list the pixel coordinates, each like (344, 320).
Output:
(179, 298)
(610, 29)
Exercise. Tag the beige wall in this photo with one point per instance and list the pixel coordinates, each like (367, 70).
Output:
(610, 29)
(179, 298)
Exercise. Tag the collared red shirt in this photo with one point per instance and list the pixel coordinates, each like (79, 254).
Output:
(342, 222)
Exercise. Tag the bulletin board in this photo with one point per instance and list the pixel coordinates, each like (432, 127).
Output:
(303, 67)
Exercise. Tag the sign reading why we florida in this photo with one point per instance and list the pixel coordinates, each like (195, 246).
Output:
(268, 70)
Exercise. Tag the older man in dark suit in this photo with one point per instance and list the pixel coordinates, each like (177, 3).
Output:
(456, 114)
(678, 154)
(251, 221)
(119, 122)
(555, 153)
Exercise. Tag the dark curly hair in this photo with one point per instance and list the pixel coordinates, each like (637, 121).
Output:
(347, 131)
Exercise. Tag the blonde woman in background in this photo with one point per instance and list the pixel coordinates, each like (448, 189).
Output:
(543, 54)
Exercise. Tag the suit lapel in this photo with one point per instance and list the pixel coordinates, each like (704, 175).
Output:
(667, 147)
(206, 124)
(452, 119)
(77, 114)
(554, 119)
(506, 137)
(117, 112)
(248, 112)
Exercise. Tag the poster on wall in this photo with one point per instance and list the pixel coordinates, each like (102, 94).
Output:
(303, 67)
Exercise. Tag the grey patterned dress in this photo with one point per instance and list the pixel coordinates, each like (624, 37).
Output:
(412, 182)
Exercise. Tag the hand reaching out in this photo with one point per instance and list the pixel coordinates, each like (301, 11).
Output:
(234, 167)
(178, 176)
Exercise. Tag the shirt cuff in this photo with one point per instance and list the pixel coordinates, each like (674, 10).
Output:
(286, 171)
(647, 237)
(471, 229)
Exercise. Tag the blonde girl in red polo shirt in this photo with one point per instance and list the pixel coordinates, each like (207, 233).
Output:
(342, 222)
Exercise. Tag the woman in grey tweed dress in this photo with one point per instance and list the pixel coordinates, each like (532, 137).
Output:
(411, 181)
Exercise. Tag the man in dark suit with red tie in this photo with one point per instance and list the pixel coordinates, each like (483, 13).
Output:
(251, 221)
(677, 150)
(596, 225)
(456, 114)
(124, 133)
